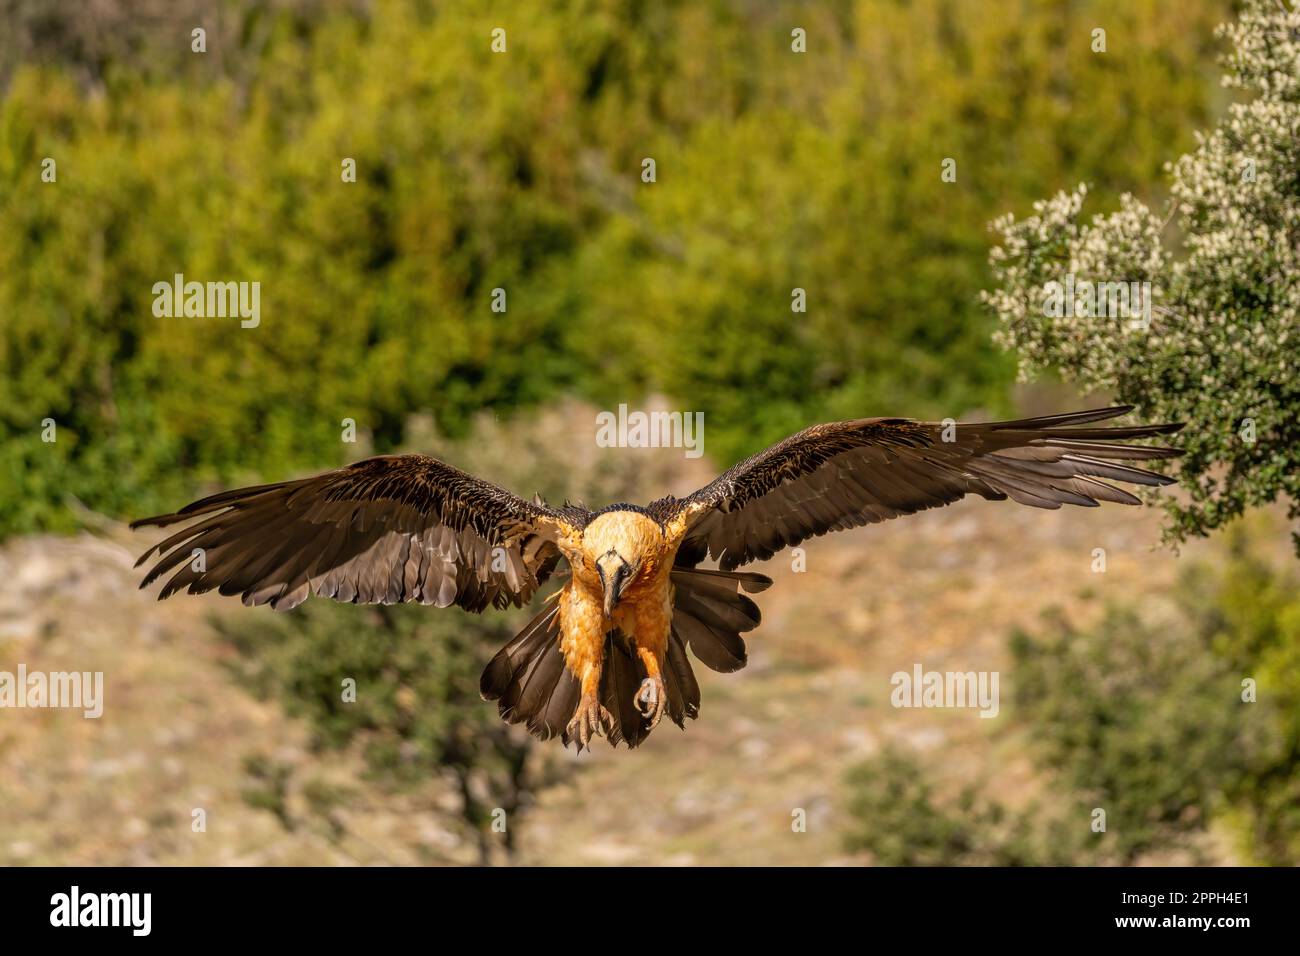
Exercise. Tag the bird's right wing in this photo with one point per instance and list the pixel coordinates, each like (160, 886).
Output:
(385, 530)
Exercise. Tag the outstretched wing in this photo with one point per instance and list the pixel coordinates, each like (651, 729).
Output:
(847, 474)
(381, 531)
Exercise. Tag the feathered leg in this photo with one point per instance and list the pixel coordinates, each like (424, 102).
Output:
(583, 643)
(653, 621)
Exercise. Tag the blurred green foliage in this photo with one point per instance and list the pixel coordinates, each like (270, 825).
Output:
(1142, 718)
(521, 170)
(901, 821)
(1137, 720)
(1249, 615)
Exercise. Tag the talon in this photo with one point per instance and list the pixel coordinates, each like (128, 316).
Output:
(652, 694)
(589, 719)
(644, 697)
(574, 732)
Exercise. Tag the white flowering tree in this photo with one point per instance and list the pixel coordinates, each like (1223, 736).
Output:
(1215, 341)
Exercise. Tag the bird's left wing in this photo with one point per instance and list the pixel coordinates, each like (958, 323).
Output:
(385, 530)
(846, 474)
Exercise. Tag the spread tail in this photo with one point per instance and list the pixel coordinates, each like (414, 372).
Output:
(531, 685)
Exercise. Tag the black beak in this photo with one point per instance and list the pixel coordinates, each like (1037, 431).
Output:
(614, 585)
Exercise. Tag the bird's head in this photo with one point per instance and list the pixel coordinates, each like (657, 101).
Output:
(620, 544)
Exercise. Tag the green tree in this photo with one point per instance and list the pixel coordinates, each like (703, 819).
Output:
(1219, 351)
(521, 171)
(416, 715)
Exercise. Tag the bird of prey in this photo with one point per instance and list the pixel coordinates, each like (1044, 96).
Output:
(606, 654)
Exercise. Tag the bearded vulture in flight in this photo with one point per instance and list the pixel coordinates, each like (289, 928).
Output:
(606, 655)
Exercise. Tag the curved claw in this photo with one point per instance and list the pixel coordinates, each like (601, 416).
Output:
(654, 696)
(590, 720)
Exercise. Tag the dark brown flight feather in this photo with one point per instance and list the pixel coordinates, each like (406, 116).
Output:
(381, 531)
(847, 474)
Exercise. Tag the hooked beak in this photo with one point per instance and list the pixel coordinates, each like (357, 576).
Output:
(615, 573)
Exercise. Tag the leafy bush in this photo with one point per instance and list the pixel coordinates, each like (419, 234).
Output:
(1139, 721)
(898, 819)
(1142, 717)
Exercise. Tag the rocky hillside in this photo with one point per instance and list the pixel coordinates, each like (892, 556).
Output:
(942, 589)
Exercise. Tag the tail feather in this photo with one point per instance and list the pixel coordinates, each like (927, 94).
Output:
(619, 682)
(622, 677)
(528, 678)
(710, 613)
(683, 689)
(719, 649)
(751, 581)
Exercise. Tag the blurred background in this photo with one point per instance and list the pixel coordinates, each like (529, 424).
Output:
(523, 171)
